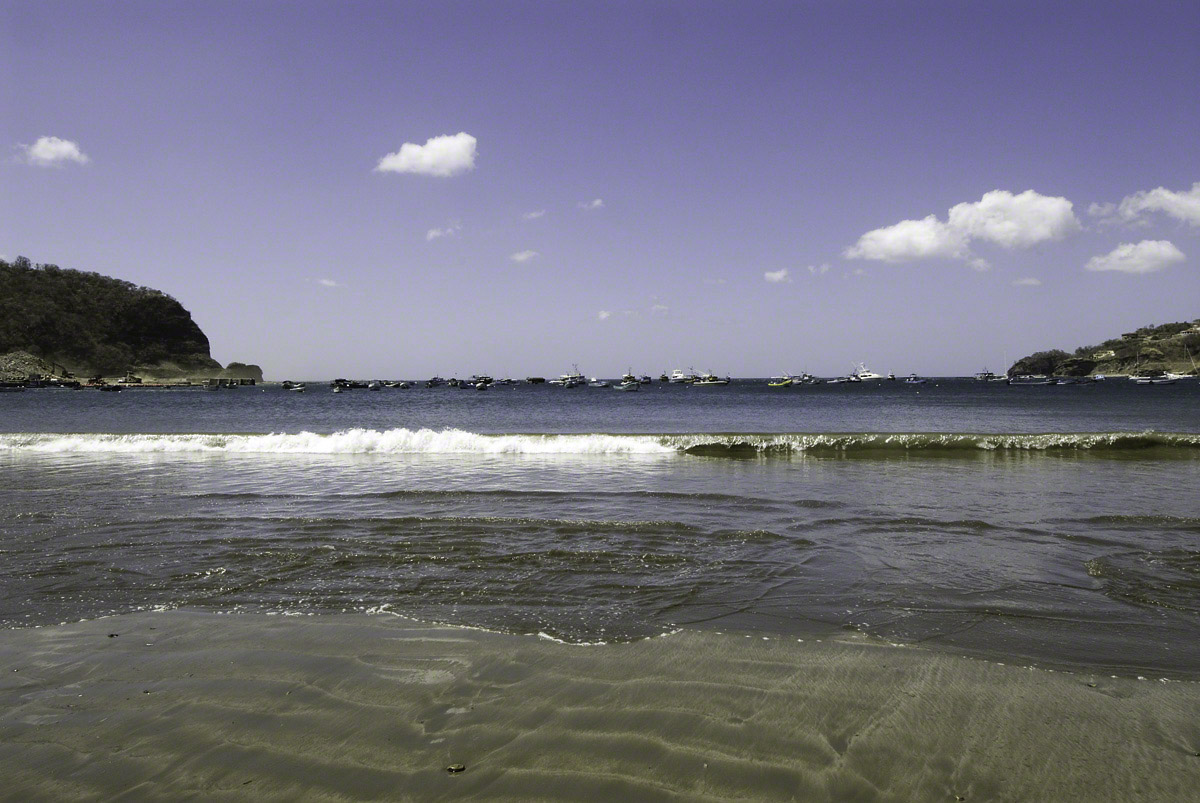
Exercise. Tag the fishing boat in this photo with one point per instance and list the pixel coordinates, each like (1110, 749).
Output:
(597, 383)
(708, 379)
(629, 386)
(862, 373)
(1032, 379)
(678, 377)
(783, 381)
(570, 380)
(985, 376)
(913, 379)
(628, 376)
(1161, 379)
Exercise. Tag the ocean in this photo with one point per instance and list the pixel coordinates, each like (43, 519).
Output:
(1054, 525)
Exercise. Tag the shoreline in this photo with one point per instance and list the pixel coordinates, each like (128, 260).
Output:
(349, 706)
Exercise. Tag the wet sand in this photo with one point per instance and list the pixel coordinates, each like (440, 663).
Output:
(182, 704)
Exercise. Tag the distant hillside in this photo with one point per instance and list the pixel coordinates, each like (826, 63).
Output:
(1149, 350)
(93, 324)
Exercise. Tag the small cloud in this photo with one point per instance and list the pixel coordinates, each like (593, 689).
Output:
(603, 315)
(440, 156)
(53, 152)
(534, 215)
(659, 309)
(980, 265)
(328, 283)
(780, 275)
(1028, 281)
(523, 256)
(449, 231)
(819, 270)
(1147, 256)
(909, 240)
(858, 272)
(596, 203)
(1183, 205)
(1101, 210)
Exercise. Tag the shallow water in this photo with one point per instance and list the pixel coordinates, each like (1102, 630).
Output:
(1038, 540)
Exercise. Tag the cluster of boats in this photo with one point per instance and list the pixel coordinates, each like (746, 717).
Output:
(861, 373)
(1042, 379)
(630, 382)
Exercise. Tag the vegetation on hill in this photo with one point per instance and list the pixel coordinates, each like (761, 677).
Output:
(90, 323)
(1146, 351)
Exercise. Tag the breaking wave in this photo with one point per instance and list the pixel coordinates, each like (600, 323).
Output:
(455, 441)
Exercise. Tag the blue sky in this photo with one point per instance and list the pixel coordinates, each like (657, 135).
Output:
(229, 154)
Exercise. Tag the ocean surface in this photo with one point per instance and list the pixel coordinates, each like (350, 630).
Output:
(1058, 525)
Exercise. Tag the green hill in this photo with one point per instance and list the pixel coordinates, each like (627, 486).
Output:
(1146, 351)
(93, 324)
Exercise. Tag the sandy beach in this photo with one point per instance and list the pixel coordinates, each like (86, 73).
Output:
(196, 705)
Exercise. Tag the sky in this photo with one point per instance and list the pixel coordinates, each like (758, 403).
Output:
(406, 189)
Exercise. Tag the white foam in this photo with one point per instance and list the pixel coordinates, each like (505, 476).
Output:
(350, 441)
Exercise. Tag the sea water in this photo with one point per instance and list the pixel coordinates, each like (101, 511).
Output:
(1058, 525)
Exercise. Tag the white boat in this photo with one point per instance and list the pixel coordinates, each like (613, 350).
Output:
(678, 377)
(597, 383)
(913, 379)
(571, 380)
(629, 386)
(706, 379)
(1164, 379)
(1173, 375)
(862, 373)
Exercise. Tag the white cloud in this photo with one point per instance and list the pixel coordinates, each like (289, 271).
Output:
(53, 152)
(659, 309)
(1182, 205)
(449, 231)
(603, 315)
(819, 270)
(1102, 210)
(780, 275)
(909, 240)
(523, 256)
(328, 283)
(596, 203)
(442, 156)
(1028, 281)
(1015, 221)
(1147, 256)
(534, 215)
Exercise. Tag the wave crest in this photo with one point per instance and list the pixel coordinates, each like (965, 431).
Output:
(456, 441)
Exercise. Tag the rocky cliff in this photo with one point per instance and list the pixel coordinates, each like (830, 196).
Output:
(92, 324)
